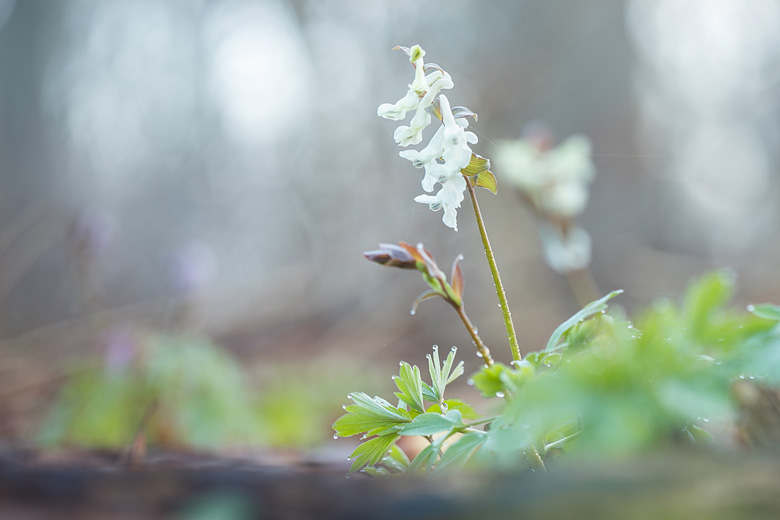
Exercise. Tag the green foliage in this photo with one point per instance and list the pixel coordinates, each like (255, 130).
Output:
(601, 385)
(431, 423)
(385, 423)
(567, 326)
(628, 391)
(498, 380)
(196, 393)
(441, 376)
(295, 401)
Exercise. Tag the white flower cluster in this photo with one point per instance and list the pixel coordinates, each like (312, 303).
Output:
(448, 151)
(556, 180)
(556, 183)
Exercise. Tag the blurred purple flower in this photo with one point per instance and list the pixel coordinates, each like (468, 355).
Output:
(120, 349)
(93, 231)
(191, 267)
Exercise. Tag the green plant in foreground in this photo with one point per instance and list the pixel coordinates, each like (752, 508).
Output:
(601, 386)
(685, 373)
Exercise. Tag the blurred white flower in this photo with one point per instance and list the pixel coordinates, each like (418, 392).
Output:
(555, 180)
(565, 253)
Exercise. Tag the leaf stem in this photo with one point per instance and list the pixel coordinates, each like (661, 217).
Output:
(510, 327)
(482, 350)
(483, 421)
(536, 459)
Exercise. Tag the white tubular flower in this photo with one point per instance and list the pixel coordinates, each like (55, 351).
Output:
(412, 134)
(422, 91)
(456, 153)
(555, 180)
(427, 155)
(448, 198)
(451, 145)
(448, 151)
(411, 100)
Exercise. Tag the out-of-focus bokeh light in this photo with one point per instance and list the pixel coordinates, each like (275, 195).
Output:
(705, 80)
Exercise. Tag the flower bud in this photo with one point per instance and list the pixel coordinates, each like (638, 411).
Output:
(391, 255)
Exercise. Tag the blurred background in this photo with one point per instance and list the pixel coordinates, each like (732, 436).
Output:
(213, 169)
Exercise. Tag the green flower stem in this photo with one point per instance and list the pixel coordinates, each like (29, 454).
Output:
(482, 350)
(510, 327)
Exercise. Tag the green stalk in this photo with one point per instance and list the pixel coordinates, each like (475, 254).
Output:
(482, 350)
(510, 327)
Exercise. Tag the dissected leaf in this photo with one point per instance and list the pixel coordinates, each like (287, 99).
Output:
(448, 373)
(367, 415)
(432, 423)
(704, 296)
(586, 312)
(441, 376)
(767, 311)
(396, 459)
(376, 471)
(465, 409)
(488, 380)
(409, 383)
(434, 369)
(423, 459)
(497, 379)
(371, 451)
(542, 358)
(458, 454)
(429, 394)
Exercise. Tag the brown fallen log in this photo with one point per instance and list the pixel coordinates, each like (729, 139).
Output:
(689, 485)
